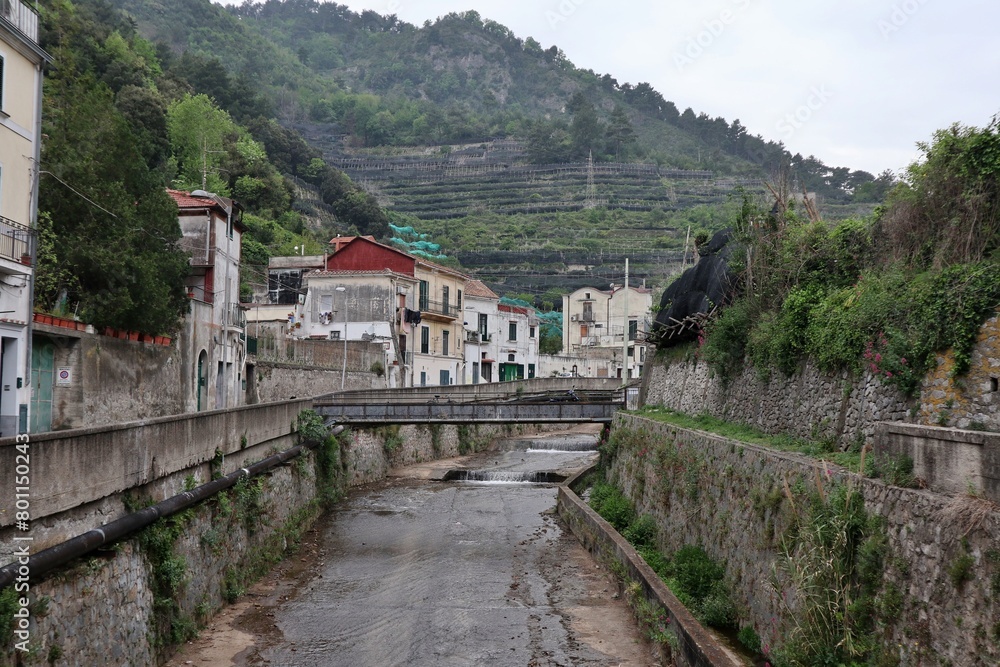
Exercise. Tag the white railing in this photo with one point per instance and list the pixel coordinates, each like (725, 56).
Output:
(21, 16)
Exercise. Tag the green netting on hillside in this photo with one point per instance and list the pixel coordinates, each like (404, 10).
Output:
(419, 246)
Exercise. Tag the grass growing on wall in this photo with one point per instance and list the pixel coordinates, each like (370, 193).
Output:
(834, 558)
(830, 554)
(823, 449)
(697, 581)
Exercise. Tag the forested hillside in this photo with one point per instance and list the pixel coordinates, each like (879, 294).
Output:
(461, 119)
(123, 120)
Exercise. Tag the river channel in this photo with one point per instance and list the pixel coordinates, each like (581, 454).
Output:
(423, 570)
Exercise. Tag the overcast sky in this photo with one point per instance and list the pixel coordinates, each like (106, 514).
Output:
(857, 83)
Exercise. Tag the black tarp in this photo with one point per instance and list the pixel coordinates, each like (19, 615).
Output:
(707, 284)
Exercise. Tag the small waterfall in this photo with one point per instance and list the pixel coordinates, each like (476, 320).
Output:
(503, 477)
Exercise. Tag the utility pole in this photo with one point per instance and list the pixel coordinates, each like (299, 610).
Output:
(625, 329)
(591, 189)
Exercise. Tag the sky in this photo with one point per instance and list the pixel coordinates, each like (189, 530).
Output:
(856, 83)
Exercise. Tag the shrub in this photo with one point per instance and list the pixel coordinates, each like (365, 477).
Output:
(641, 532)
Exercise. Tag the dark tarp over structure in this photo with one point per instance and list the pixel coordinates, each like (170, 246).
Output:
(695, 296)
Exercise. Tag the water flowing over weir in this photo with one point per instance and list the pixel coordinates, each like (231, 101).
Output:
(569, 442)
(504, 477)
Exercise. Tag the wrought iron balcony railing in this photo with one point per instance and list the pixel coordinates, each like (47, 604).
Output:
(17, 241)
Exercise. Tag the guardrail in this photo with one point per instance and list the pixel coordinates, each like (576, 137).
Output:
(467, 413)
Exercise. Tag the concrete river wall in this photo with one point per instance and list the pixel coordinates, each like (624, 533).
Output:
(129, 602)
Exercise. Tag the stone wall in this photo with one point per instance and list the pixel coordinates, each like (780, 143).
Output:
(283, 382)
(100, 610)
(111, 380)
(737, 500)
(814, 404)
(809, 404)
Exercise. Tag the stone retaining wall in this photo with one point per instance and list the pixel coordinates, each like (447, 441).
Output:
(733, 500)
(697, 646)
(809, 404)
(813, 404)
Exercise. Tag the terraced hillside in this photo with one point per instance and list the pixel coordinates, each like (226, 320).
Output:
(434, 183)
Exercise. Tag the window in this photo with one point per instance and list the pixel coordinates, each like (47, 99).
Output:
(588, 312)
(633, 329)
(475, 372)
(458, 303)
(512, 331)
(445, 378)
(483, 327)
(510, 358)
(531, 332)
(423, 378)
(444, 299)
(531, 371)
(1, 83)
(586, 295)
(424, 295)
(425, 340)
(445, 336)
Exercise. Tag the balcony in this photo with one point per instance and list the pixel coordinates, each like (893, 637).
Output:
(22, 17)
(236, 317)
(438, 310)
(476, 338)
(17, 241)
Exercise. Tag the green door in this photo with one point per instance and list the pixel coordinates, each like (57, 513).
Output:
(43, 355)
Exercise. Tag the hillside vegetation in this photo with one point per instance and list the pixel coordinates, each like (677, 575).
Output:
(460, 118)
(882, 294)
(123, 121)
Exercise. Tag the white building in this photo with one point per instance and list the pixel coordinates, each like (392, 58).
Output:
(482, 317)
(596, 319)
(360, 305)
(21, 63)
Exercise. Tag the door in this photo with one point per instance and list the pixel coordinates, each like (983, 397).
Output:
(202, 380)
(43, 355)
(445, 378)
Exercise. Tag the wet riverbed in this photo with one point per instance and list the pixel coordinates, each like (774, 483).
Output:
(423, 572)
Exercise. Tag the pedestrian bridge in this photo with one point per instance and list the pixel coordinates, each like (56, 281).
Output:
(527, 401)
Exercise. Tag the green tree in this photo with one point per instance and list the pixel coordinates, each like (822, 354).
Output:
(198, 133)
(621, 134)
(115, 227)
(586, 130)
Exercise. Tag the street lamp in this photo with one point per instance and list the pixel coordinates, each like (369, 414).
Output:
(343, 369)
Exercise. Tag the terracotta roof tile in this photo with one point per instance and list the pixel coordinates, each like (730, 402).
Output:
(479, 289)
(186, 200)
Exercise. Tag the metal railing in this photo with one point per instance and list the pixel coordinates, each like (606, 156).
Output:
(476, 337)
(236, 317)
(21, 16)
(17, 241)
(439, 308)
